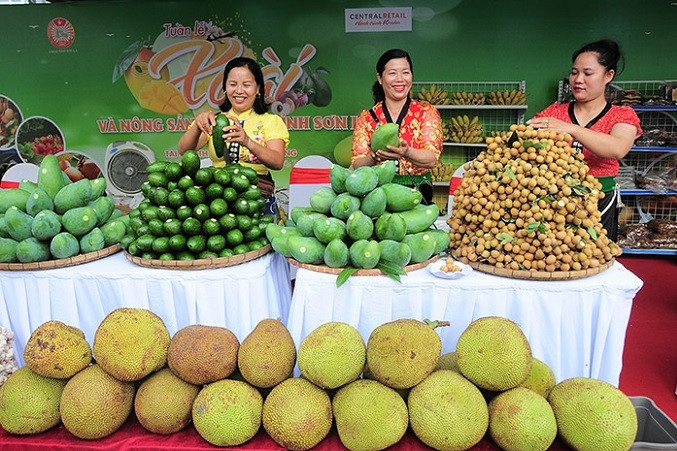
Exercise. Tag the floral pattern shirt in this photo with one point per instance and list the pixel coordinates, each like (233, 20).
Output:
(599, 166)
(421, 128)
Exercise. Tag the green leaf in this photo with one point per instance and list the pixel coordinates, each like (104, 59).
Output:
(581, 190)
(127, 58)
(539, 145)
(505, 238)
(391, 270)
(527, 144)
(592, 232)
(344, 275)
(532, 227)
(509, 173)
(513, 137)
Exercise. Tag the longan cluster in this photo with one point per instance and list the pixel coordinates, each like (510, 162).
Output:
(528, 203)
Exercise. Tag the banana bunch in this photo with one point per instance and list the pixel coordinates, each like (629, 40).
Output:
(442, 172)
(513, 97)
(462, 129)
(467, 98)
(434, 95)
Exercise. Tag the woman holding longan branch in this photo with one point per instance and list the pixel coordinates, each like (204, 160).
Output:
(602, 131)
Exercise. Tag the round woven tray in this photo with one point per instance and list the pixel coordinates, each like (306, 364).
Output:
(360, 272)
(201, 263)
(62, 262)
(539, 275)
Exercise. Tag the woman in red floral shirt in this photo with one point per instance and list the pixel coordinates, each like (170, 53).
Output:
(420, 125)
(603, 132)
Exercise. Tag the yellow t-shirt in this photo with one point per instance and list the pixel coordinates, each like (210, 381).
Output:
(260, 128)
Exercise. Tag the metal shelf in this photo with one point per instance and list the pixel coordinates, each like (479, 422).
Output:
(653, 149)
(654, 107)
(650, 251)
(646, 192)
(481, 107)
(453, 144)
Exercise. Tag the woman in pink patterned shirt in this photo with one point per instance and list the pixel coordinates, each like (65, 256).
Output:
(602, 131)
(420, 124)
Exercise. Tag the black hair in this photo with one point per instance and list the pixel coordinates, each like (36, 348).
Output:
(260, 105)
(608, 54)
(377, 89)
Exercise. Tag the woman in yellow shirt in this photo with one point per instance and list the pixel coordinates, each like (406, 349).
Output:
(255, 137)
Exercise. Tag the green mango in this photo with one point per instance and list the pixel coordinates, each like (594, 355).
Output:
(385, 135)
(390, 226)
(344, 205)
(359, 226)
(395, 251)
(321, 200)
(361, 181)
(374, 203)
(365, 254)
(336, 254)
(328, 229)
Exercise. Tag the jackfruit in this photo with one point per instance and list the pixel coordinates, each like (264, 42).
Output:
(401, 353)
(94, 404)
(131, 343)
(267, 355)
(369, 415)
(448, 362)
(227, 412)
(593, 415)
(541, 379)
(494, 354)
(332, 355)
(200, 354)
(447, 412)
(521, 419)
(297, 414)
(163, 402)
(57, 350)
(29, 402)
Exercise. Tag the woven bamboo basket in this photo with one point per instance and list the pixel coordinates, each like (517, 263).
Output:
(62, 262)
(360, 272)
(539, 275)
(201, 263)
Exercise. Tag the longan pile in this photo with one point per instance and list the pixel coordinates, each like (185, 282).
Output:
(528, 203)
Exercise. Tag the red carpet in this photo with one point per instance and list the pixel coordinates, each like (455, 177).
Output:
(650, 357)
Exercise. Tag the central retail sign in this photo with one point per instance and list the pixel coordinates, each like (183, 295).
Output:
(377, 19)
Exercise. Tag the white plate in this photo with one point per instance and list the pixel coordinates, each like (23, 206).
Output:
(435, 270)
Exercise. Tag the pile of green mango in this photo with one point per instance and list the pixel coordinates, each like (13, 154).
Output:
(56, 218)
(362, 221)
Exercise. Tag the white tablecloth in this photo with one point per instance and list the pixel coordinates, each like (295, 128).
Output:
(236, 297)
(577, 326)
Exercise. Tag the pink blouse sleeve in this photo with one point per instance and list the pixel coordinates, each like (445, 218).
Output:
(362, 135)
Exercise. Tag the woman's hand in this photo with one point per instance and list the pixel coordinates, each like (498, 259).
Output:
(235, 133)
(393, 152)
(548, 123)
(205, 122)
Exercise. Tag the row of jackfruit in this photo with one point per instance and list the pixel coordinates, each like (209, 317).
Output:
(372, 392)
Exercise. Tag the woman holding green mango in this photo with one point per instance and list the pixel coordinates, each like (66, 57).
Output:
(420, 125)
(251, 136)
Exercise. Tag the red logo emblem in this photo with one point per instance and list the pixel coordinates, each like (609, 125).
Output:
(60, 33)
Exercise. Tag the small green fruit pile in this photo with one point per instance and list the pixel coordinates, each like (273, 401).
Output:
(364, 221)
(189, 212)
(56, 218)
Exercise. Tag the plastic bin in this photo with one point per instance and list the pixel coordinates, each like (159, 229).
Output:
(655, 430)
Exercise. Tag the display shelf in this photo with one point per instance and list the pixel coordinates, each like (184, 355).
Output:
(645, 192)
(482, 107)
(650, 251)
(454, 144)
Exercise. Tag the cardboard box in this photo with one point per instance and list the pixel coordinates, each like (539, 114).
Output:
(655, 431)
